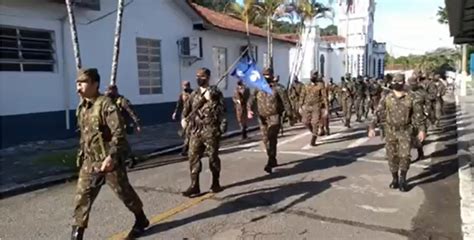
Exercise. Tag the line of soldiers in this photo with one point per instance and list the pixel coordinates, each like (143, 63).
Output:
(104, 147)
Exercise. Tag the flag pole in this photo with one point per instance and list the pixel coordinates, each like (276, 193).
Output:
(118, 30)
(74, 36)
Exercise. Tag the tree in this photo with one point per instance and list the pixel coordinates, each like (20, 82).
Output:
(442, 15)
(329, 30)
(217, 5)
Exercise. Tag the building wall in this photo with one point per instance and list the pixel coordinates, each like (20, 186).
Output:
(40, 106)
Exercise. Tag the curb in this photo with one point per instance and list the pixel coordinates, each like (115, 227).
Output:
(16, 189)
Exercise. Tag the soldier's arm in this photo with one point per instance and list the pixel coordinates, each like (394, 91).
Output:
(114, 121)
(302, 97)
(252, 100)
(237, 98)
(285, 100)
(179, 104)
(431, 92)
(418, 117)
(187, 105)
(379, 116)
(127, 105)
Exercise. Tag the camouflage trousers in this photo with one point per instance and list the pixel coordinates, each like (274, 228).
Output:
(398, 145)
(374, 103)
(415, 142)
(241, 115)
(86, 192)
(312, 118)
(200, 143)
(295, 105)
(359, 105)
(270, 127)
(347, 108)
(437, 109)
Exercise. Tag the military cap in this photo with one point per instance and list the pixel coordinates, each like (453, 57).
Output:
(314, 73)
(89, 73)
(399, 78)
(268, 71)
(412, 80)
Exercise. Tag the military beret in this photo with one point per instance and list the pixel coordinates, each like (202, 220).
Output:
(203, 72)
(89, 73)
(268, 71)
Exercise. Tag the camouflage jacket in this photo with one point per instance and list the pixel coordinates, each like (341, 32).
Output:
(375, 90)
(241, 96)
(347, 90)
(205, 116)
(360, 89)
(102, 130)
(400, 113)
(314, 95)
(295, 90)
(422, 103)
(436, 90)
(126, 109)
(270, 104)
(183, 97)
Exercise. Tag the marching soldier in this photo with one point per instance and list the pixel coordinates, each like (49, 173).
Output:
(313, 100)
(240, 99)
(204, 113)
(324, 112)
(103, 148)
(347, 92)
(270, 108)
(360, 97)
(398, 112)
(182, 99)
(368, 100)
(422, 102)
(128, 114)
(333, 91)
(294, 94)
(375, 93)
(436, 91)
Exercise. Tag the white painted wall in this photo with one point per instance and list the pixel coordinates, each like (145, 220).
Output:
(43, 92)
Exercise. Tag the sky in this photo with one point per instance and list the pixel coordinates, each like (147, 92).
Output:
(407, 26)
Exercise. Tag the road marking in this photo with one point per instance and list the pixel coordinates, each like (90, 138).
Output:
(322, 140)
(247, 145)
(169, 213)
(378, 209)
(302, 135)
(358, 142)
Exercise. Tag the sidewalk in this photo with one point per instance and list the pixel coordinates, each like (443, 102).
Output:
(42, 163)
(465, 124)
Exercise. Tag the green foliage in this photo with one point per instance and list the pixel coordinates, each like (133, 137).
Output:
(442, 15)
(329, 30)
(217, 5)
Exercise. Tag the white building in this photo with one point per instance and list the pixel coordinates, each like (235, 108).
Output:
(37, 68)
(354, 51)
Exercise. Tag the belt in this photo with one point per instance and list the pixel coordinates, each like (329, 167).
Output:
(399, 128)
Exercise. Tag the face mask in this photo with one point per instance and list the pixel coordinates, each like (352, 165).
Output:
(397, 86)
(269, 79)
(314, 79)
(201, 82)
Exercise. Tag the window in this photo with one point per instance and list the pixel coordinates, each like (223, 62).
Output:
(219, 58)
(149, 66)
(26, 50)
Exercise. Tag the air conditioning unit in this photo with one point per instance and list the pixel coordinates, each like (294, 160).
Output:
(191, 47)
(89, 4)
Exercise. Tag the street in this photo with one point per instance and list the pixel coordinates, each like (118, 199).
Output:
(336, 190)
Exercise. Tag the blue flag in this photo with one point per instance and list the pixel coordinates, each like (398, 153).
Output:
(247, 71)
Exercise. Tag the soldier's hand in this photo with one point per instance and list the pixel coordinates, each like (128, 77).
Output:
(371, 133)
(139, 129)
(421, 136)
(184, 123)
(107, 165)
(300, 111)
(173, 116)
(250, 114)
(207, 95)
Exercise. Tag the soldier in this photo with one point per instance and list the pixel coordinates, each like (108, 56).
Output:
(375, 93)
(313, 100)
(360, 97)
(422, 102)
(204, 113)
(103, 147)
(436, 91)
(333, 91)
(128, 114)
(182, 99)
(270, 108)
(240, 98)
(347, 92)
(324, 112)
(398, 112)
(294, 94)
(368, 100)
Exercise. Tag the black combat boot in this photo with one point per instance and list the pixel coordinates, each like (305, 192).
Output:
(437, 124)
(215, 187)
(271, 163)
(394, 183)
(403, 181)
(313, 141)
(327, 131)
(77, 233)
(193, 189)
(141, 223)
(244, 133)
(421, 154)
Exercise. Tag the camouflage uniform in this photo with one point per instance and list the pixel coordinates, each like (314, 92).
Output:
(347, 92)
(240, 99)
(333, 97)
(360, 98)
(270, 108)
(400, 116)
(205, 119)
(313, 100)
(421, 104)
(375, 93)
(182, 99)
(436, 91)
(102, 134)
(294, 93)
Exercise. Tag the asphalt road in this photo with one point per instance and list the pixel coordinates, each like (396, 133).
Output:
(336, 190)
